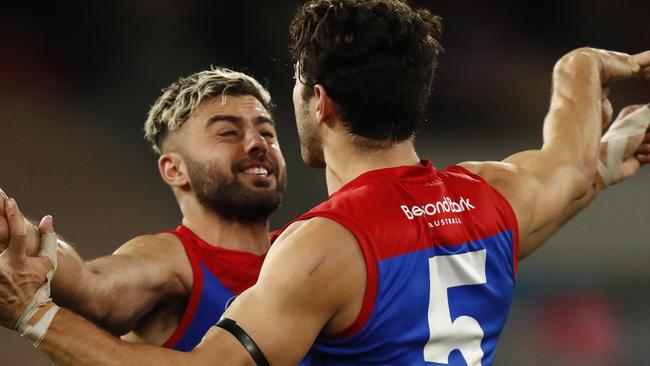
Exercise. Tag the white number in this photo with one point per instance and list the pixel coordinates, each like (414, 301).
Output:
(464, 333)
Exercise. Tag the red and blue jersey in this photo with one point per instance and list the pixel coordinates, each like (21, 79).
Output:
(440, 249)
(219, 275)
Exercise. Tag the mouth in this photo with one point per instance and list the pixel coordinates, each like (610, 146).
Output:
(261, 169)
(257, 171)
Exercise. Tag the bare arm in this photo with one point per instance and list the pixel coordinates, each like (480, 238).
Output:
(118, 290)
(547, 187)
(297, 297)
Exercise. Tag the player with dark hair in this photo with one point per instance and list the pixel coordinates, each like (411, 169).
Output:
(404, 264)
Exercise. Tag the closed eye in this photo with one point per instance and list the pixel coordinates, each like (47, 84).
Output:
(228, 133)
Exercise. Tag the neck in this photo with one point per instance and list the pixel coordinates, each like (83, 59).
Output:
(345, 161)
(252, 238)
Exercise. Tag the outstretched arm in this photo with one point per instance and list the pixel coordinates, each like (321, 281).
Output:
(118, 290)
(627, 165)
(296, 298)
(546, 187)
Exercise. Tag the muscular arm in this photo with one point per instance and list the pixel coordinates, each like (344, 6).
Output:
(547, 187)
(299, 295)
(118, 290)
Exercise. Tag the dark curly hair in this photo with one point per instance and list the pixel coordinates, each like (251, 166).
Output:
(375, 58)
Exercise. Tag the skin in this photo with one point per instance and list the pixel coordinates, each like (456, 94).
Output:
(313, 280)
(152, 273)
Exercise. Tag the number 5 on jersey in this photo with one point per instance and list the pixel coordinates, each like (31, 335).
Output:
(464, 333)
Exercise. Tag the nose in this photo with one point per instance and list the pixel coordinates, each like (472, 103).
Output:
(255, 143)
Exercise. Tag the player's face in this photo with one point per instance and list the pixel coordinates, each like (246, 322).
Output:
(310, 142)
(233, 159)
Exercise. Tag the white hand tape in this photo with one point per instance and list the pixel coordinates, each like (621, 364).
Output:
(35, 330)
(621, 133)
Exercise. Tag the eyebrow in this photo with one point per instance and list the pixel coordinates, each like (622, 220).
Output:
(237, 119)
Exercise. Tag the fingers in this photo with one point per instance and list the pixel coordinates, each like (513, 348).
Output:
(4, 228)
(642, 154)
(629, 110)
(3, 198)
(17, 229)
(48, 241)
(628, 169)
(646, 72)
(643, 159)
(617, 65)
(46, 226)
(643, 59)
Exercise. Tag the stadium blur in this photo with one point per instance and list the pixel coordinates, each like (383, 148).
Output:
(76, 82)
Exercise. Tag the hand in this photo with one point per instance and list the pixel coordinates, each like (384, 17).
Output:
(636, 148)
(20, 275)
(611, 65)
(597, 68)
(642, 154)
(32, 240)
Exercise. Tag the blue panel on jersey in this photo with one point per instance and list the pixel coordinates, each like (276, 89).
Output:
(214, 297)
(398, 328)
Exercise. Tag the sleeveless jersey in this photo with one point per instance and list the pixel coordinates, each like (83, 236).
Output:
(219, 275)
(440, 248)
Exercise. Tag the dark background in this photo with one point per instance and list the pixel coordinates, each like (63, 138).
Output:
(77, 79)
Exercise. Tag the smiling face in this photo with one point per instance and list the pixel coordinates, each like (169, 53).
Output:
(233, 160)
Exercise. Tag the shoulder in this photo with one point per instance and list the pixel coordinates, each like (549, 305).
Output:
(516, 184)
(489, 168)
(506, 178)
(499, 174)
(155, 244)
(311, 258)
(163, 252)
(315, 237)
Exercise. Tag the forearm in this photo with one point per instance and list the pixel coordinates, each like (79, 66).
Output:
(573, 126)
(77, 288)
(536, 239)
(72, 340)
(90, 291)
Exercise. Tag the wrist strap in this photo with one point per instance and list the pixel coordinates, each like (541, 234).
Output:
(620, 142)
(37, 317)
(35, 326)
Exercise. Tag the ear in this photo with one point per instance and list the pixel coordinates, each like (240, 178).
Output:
(324, 104)
(172, 170)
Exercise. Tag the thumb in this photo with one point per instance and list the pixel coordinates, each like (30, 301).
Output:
(46, 226)
(629, 168)
(48, 242)
(3, 198)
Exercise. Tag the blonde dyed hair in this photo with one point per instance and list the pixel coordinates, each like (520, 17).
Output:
(181, 98)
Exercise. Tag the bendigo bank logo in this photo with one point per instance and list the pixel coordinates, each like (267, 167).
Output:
(445, 205)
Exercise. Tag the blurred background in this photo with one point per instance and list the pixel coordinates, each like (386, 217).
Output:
(77, 79)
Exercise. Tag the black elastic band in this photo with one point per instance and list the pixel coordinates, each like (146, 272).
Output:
(231, 326)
